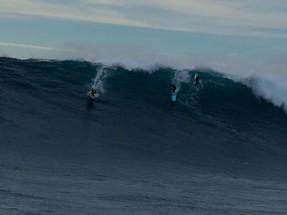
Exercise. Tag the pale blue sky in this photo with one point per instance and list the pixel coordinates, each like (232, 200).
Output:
(196, 30)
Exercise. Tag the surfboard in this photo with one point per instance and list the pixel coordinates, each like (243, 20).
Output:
(173, 96)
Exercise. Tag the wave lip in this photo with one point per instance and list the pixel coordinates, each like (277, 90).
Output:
(270, 88)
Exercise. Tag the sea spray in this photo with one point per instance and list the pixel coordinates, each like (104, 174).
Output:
(180, 77)
(268, 87)
(98, 81)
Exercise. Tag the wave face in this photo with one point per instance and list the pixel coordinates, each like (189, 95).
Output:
(220, 129)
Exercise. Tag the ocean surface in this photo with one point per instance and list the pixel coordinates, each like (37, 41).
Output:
(220, 149)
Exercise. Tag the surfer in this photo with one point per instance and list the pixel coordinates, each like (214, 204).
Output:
(92, 94)
(196, 80)
(173, 94)
(173, 88)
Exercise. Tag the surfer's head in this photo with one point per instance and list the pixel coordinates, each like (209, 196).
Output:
(173, 87)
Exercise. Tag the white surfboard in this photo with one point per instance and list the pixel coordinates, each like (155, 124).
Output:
(173, 96)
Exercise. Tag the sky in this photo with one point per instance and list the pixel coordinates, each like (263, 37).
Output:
(211, 33)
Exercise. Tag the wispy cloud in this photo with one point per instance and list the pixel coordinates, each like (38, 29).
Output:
(75, 10)
(19, 45)
(245, 17)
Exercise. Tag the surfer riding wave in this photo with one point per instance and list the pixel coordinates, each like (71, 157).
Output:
(92, 94)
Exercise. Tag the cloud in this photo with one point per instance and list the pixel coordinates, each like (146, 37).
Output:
(76, 10)
(19, 45)
(252, 17)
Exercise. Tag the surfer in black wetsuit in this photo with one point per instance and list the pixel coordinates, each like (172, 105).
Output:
(92, 95)
(93, 92)
(196, 81)
(173, 94)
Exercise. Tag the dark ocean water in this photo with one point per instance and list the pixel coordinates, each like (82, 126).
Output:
(218, 150)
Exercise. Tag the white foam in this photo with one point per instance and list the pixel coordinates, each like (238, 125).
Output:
(269, 87)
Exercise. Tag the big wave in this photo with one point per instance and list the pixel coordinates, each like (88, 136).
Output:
(44, 101)
(154, 82)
